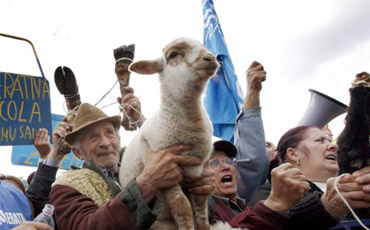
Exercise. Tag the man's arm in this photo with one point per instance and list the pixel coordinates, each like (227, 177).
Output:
(40, 186)
(252, 159)
(127, 210)
(39, 190)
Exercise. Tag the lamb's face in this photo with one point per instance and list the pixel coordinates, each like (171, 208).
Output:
(189, 60)
(184, 68)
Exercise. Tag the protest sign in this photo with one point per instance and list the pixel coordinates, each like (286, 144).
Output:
(24, 108)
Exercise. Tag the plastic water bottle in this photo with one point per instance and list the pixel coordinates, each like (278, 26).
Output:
(46, 216)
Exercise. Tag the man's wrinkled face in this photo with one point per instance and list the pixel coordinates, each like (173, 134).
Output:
(101, 143)
(226, 175)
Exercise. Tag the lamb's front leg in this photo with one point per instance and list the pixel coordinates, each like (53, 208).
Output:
(200, 207)
(180, 207)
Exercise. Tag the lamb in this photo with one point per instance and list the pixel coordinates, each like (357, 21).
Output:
(184, 71)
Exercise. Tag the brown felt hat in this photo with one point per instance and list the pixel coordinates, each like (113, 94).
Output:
(87, 115)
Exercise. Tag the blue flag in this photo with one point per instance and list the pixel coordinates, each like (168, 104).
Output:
(224, 97)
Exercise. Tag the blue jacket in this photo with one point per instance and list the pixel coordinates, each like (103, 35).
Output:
(252, 160)
(14, 206)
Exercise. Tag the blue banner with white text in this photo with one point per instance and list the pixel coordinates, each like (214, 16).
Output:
(224, 97)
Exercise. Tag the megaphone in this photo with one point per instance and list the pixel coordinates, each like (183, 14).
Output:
(321, 110)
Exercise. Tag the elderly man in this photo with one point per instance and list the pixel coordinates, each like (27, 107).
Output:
(91, 198)
(226, 175)
(289, 185)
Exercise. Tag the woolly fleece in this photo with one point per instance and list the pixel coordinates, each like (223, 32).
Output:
(88, 183)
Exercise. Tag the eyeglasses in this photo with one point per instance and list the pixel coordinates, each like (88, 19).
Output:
(217, 162)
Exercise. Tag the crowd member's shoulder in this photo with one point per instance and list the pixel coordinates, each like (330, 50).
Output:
(88, 183)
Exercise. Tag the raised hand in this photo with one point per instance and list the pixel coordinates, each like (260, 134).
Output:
(256, 74)
(42, 143)
(131, 108)
(58, 136)
(288, 186)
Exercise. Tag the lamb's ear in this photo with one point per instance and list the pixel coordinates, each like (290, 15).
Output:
(147, 67)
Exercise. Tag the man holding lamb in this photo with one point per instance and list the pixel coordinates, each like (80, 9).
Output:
(91, 197)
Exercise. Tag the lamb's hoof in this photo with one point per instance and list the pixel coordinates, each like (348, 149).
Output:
(362, 79)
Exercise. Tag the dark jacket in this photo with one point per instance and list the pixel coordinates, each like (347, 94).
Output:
(39, 190)
(83, 200)
(308, 214)
(259, 217)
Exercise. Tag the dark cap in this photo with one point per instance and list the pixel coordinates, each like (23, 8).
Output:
(226, 147)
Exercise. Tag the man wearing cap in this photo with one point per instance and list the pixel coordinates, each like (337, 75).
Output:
(91, 198)
(226, 175)
(289, 185)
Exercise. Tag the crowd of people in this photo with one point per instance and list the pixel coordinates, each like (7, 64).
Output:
(251, 183)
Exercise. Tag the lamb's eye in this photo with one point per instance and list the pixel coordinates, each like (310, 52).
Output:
(173, 55)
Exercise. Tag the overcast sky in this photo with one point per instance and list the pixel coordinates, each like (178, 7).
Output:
(302, 44)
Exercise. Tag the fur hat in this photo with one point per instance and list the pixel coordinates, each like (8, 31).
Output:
(87, 115)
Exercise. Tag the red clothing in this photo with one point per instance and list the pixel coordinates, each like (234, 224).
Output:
(83, 199)
(259, 217)
(77, 211)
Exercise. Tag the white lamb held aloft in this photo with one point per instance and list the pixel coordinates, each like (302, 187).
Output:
(184, 71)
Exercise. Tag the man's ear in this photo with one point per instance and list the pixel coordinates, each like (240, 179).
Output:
(292, 155)
(77, 152)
